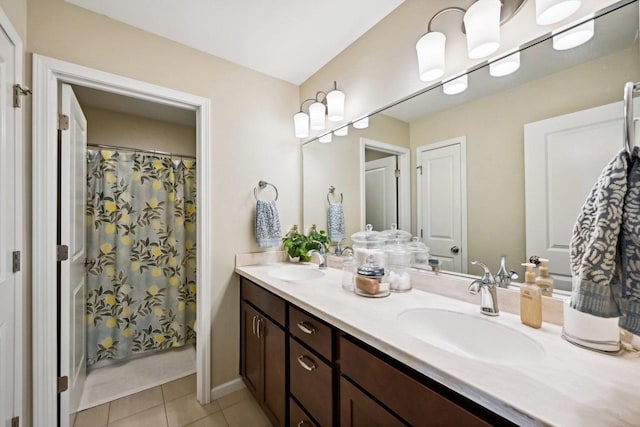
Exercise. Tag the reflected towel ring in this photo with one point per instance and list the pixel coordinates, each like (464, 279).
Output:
(332, 189)
(629, 120)
(262, 185)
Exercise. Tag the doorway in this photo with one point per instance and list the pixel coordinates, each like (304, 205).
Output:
(48, 75)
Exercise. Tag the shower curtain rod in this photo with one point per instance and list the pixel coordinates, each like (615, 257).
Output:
(138, 150)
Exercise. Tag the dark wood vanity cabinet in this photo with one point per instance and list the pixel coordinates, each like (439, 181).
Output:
(305, 372)
(263, 349)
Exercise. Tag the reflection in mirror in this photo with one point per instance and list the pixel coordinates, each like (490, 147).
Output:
(504, 165)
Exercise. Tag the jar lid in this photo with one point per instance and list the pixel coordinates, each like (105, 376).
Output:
(371, 269)
(394, 235)
(367, 236)
(416, 245)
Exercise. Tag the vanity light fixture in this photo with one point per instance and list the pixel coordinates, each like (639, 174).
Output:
(362, 123)
(343, 131)
(324, 104)
(325, 138)
(456, 86)
(482, 22)
(505, 66)
(551, 11)
(575, 36)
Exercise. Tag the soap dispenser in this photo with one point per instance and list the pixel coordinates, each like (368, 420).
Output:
(544, 280)
(530, 299)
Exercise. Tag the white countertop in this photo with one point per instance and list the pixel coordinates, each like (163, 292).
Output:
(569, 386)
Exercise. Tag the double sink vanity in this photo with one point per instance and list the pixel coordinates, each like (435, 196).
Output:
(314, 354)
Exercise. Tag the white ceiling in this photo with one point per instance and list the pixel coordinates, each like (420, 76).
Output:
(287, 39)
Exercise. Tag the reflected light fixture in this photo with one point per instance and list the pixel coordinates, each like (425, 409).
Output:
(455, 86)
(362, 123)
(329, 105)
(343, 131)
(325, 138)
(505, 66)
(575, 36)
(551, 11)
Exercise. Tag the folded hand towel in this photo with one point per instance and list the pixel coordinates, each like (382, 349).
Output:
(335, 222)
(268, 231)
(595, 268)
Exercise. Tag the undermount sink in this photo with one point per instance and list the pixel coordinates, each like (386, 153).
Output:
(296, 273)
(471, 336)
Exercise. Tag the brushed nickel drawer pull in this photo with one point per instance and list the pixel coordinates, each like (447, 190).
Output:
(301, 423)
(306, 328)
(254, 324)
(305, 365)
(259, 328)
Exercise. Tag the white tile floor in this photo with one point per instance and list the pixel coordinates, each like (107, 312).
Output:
(174, 405)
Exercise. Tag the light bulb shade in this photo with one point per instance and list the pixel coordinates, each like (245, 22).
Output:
(335, 105)
(316, 114)
(505, 66)
(362, 123)
(301, 124)
(343, 131)
(482, 24)
(551, 11)
(325, 138)
(455, 86)
(430, 50)
(574, 37)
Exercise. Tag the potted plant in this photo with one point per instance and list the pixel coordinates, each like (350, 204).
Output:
(298, 245)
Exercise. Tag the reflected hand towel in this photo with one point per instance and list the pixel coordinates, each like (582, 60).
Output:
(335, 222)
(268, 231)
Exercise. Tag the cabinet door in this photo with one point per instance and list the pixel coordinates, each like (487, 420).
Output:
(359, 410)
(273, 340)
(250, 354)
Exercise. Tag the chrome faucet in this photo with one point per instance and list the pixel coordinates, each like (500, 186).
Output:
(322, 257)
(504, 275)
(487, 288)
(340, 250)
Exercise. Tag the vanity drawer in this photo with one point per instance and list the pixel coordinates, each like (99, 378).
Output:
(310, 382)
(297, 417)
(269, 304)
(413, 401)
(313, 332)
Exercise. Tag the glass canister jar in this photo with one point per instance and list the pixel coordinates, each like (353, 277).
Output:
(368, 243)
(419, 254)
(371, 279)
(397, 258)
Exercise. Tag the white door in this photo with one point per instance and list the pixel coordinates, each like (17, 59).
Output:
(441, 199)
(73, 183)
(381, 193)
(564, 157)
(10, 308)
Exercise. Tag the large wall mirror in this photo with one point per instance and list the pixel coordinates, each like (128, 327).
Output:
(499, 169)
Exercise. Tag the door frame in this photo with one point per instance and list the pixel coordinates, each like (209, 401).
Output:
(404, 182)
(462, 141)
(47, 73)
(18, 326)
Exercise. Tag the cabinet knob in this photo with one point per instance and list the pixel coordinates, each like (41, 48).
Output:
(306, 328)
(302, 360)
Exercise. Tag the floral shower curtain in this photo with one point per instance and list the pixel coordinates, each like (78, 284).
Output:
(141, 242)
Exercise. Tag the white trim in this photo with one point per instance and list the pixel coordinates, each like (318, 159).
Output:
(47, 73)
(404, 183)
(12, 35)
(462, 141)
(227, 388)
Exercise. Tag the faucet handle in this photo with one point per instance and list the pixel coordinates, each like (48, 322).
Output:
(487, 277)
(475, 286)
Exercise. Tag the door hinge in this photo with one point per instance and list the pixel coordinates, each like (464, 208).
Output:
(16, 261)
(63, 384)
(62, 253)
(15, 422)
(63, 122)
(421, 232)
(419, 168)
(397, 173)
(18, 93)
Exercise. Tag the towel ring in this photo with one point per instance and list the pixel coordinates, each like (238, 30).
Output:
(262, 185)
(629, 120)
(332, 189)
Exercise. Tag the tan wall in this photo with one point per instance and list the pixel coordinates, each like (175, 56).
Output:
(124, 130)
(250, 142)
(493, 127)
(381, 66)
(370, 155)
(338, 164)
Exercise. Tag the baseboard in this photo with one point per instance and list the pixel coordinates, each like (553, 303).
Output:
(227, 388)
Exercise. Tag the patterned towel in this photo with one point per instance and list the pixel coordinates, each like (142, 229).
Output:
(605, 246)
(268, 231)
(335, 222)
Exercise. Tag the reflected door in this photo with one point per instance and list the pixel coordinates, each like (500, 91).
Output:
(441, 201)
(381, 193)
(564, 157)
